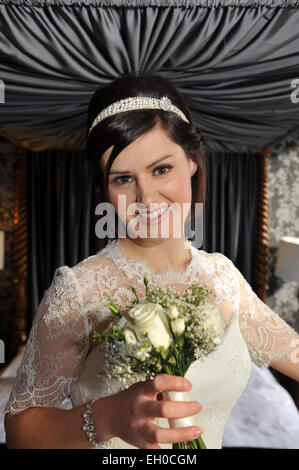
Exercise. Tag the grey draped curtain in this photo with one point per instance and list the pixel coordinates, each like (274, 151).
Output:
(233, 60)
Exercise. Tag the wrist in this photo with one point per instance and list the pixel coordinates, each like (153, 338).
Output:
(106, 412)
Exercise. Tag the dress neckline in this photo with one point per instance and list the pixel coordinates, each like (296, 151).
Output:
(121, 259)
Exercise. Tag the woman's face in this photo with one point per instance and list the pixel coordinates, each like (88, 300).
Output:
(151, 173)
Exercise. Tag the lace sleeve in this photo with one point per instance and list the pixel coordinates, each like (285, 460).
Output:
(268, 337)
(56, 347)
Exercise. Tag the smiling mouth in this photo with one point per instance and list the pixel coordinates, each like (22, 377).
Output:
(152, 215)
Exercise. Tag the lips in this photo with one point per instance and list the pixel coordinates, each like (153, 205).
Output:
(153, 214)
(154, 217)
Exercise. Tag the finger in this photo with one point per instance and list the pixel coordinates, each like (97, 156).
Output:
(150, 445)
(157, 434)
(165, 382)
(146, 444)
(170, 409)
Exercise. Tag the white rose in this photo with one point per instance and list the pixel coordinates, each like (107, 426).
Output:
(172, 312)
(130, 337)
(213, 320)
(149, 317)
(178, 326)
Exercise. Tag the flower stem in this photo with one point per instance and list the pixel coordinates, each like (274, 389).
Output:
(201, 442)
(194, 444)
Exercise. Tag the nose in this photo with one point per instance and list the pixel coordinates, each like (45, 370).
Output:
(146, 193)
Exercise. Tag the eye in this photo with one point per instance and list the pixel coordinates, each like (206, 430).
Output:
(162, 167)
(119, 179)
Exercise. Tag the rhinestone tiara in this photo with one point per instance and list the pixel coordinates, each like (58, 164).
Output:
(138, 102)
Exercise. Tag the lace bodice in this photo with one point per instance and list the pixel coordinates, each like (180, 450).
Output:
(60, 356)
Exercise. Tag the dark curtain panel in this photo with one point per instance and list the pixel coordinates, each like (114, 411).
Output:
(60, 216)
(230, 209)
(62, 213)
(234, 61)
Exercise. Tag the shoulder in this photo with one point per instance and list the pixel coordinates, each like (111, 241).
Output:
(222, 276)
(216, 261)
(71, 282)
(100, 262)
(219, 270)
(226, 272)
(91, 264)
(94, 267)
(86, 281)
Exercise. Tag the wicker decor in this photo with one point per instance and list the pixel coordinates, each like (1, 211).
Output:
(262, 252)
(20, 256)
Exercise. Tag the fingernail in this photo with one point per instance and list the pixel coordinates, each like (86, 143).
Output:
(197, 433)
(187, 384)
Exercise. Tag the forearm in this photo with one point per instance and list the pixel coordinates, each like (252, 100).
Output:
(54, 428)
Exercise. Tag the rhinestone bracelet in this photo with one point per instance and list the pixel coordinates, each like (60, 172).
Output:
(89, 427)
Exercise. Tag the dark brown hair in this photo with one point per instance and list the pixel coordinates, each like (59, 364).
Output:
(123, 128)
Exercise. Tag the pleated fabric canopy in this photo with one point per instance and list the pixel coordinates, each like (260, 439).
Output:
(236, 62)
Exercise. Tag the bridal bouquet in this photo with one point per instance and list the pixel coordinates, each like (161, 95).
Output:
(164, 333)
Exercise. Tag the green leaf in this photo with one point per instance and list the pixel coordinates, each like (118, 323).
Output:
(164, 354)
(180, 340)
(172, 360)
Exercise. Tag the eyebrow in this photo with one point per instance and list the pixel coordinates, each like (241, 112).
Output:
(149, 166)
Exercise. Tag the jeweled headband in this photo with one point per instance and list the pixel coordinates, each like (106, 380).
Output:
(138, 102)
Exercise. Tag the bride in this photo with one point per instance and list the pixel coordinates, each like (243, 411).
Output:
(147, 150)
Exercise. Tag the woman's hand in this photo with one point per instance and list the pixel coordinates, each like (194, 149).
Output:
(137, 406)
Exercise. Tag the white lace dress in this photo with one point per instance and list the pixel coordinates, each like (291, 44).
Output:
(61, 360)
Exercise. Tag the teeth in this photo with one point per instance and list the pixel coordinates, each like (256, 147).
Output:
(154, 214)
